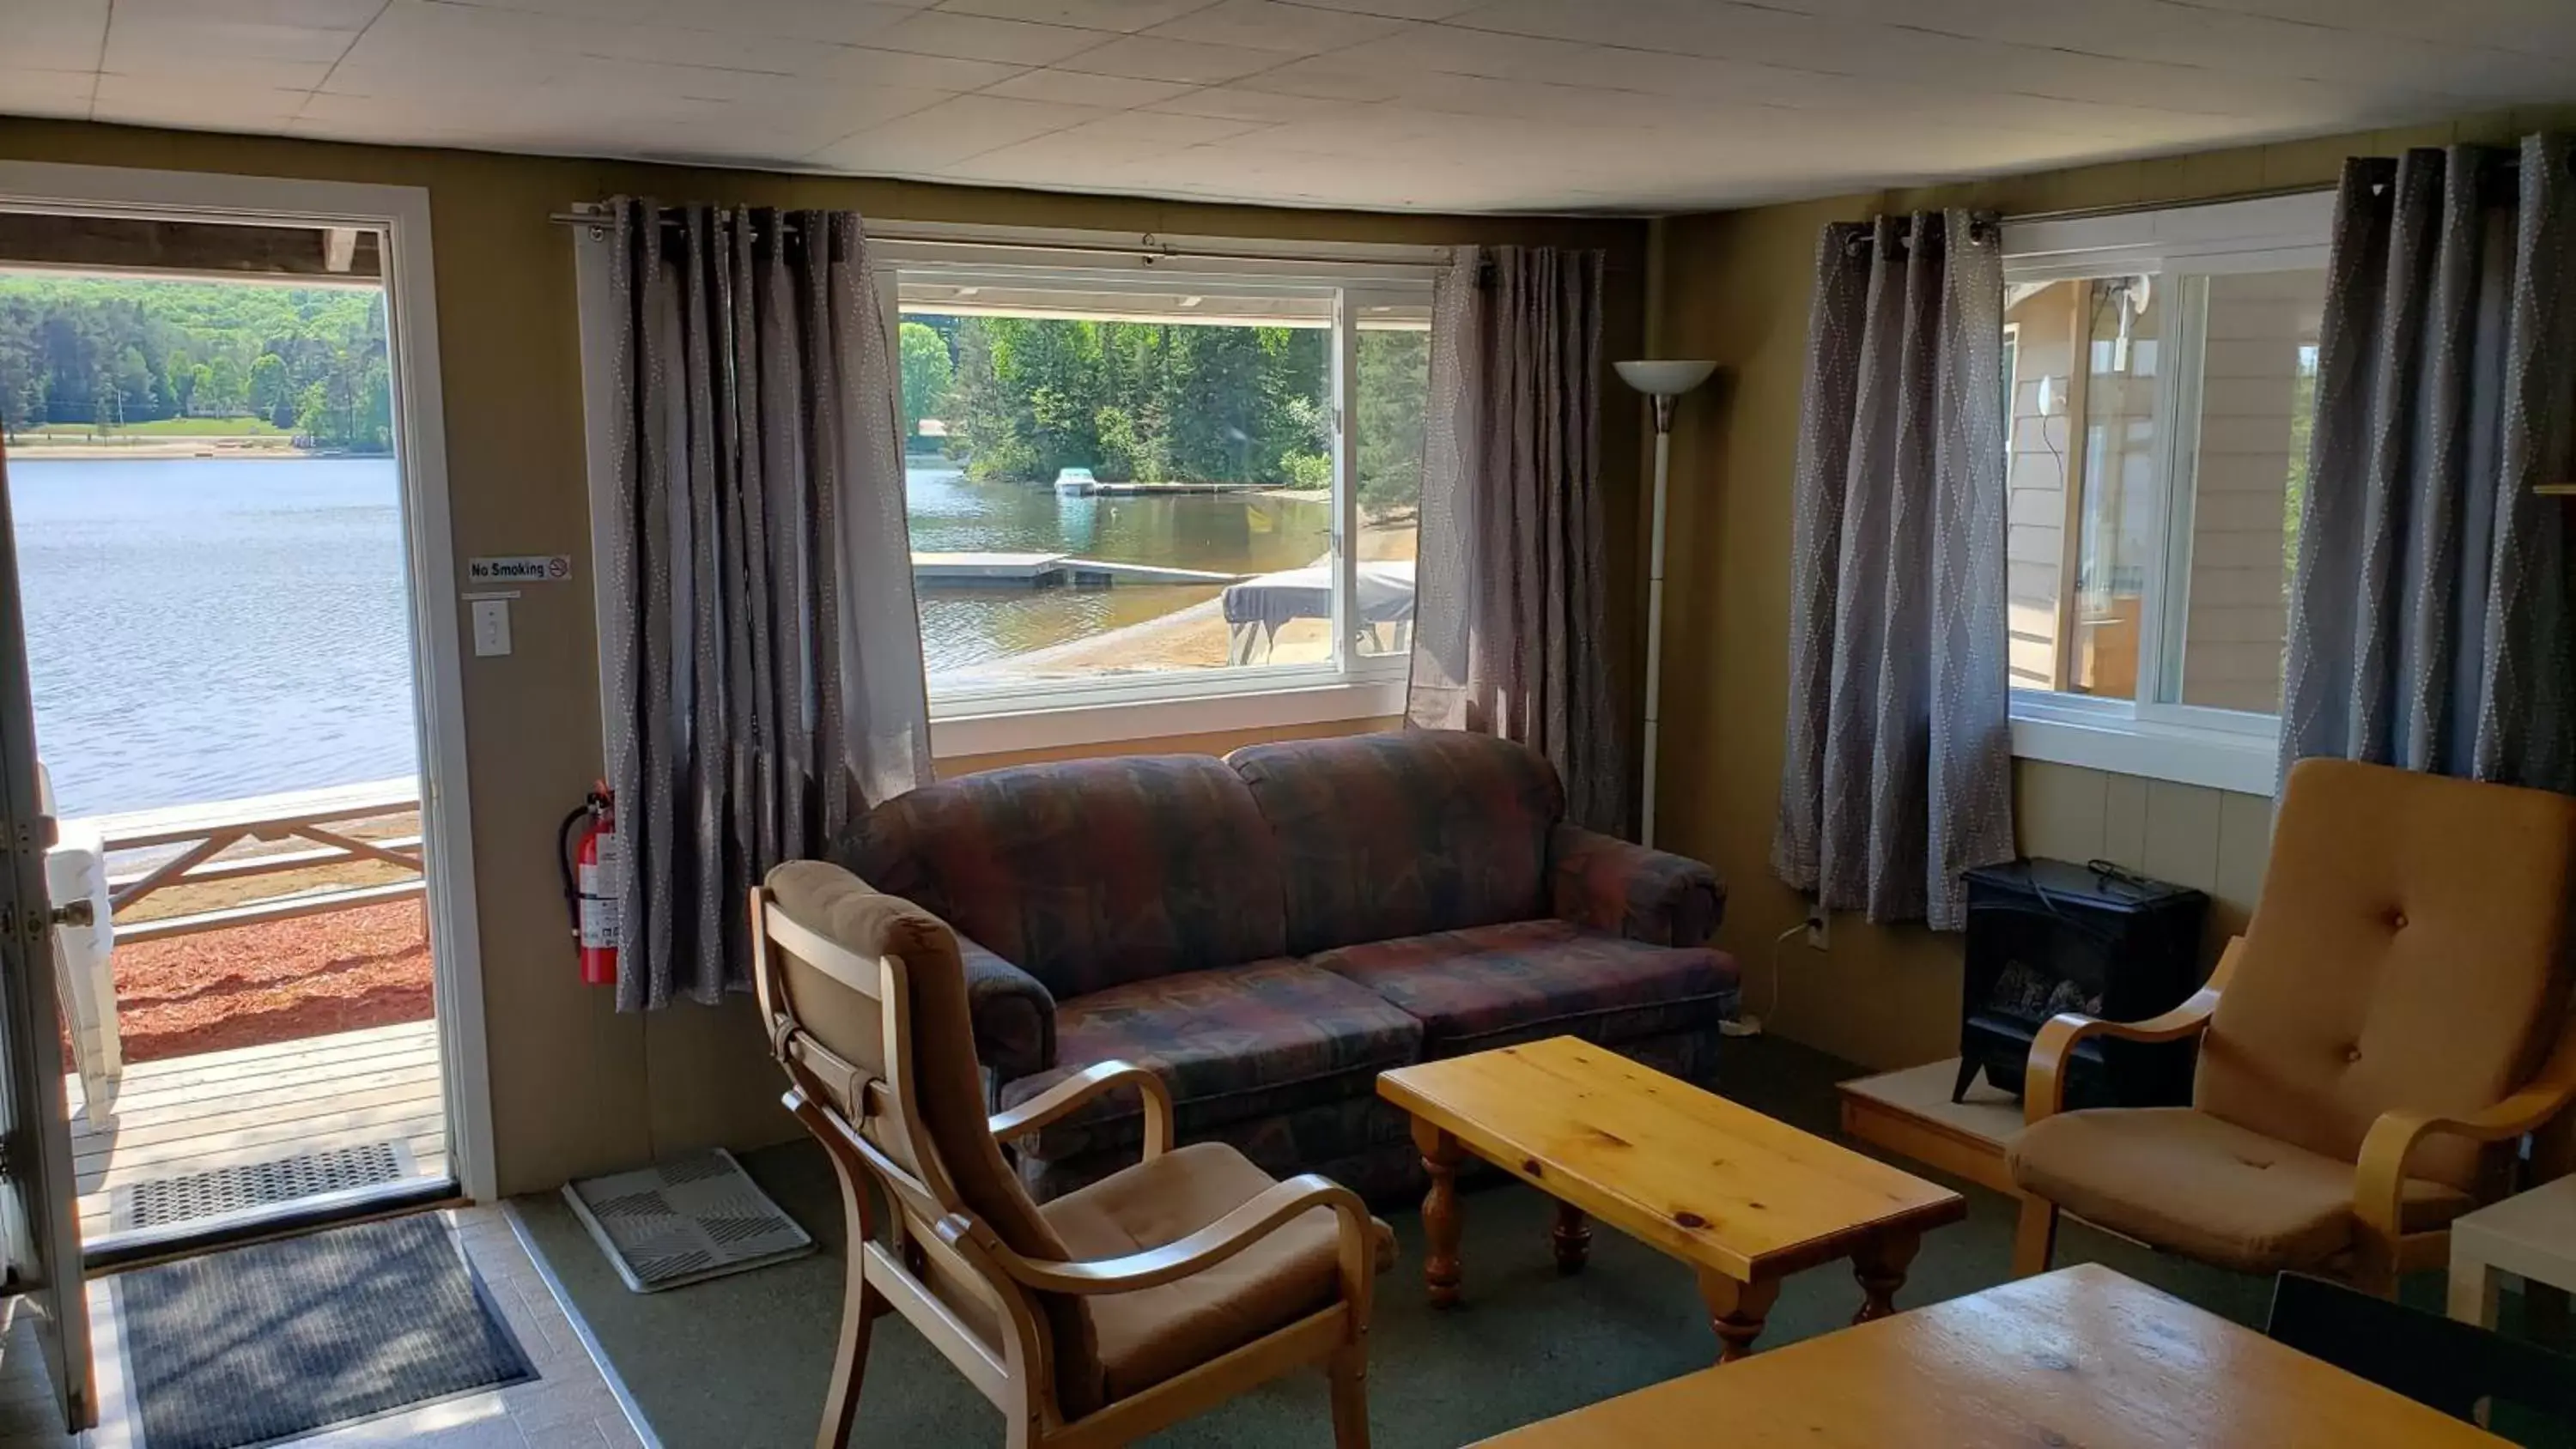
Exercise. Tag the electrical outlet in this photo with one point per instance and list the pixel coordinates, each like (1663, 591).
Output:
(1819, 928)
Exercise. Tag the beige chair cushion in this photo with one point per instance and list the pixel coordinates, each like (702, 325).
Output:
(2408, 953)
(1155, 1334)
(2202, 1186)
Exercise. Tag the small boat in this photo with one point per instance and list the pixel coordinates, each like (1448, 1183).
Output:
(1075, 482)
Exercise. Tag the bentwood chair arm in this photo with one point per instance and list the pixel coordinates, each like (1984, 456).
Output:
(2379, 1183)
(2044, 1080)
(1202, 1250)
(1057, 1101)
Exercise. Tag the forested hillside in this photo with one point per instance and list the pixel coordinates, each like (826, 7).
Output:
(111, 353)
(1161, 402)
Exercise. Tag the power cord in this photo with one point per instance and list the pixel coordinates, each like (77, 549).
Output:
(1748, 1023)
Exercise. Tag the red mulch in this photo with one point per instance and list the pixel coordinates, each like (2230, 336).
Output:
(278, 981)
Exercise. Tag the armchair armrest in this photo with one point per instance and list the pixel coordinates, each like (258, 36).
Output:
(2379, 1182)
(2043, 1086)
(1210, 1245)
(1013, 1012)
(1645, 895)
(1056, 1102)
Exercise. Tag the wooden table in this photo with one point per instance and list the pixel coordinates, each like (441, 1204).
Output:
(2531, 1235)
(2078, 1356)
(1743, 1198)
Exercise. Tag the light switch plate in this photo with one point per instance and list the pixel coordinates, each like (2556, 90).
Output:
(491, 627)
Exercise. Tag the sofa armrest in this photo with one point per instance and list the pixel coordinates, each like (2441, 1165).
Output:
(1645, 895)
(1014, 1014)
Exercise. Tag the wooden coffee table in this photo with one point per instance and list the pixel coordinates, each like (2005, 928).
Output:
(1743, 1198)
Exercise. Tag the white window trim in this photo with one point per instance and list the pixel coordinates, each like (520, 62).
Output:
(2193, 745)
(1076, 712)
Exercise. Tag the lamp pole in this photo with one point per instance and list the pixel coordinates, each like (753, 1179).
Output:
(1662, 381)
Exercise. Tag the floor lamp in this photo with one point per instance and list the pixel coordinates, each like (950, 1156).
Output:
(1662, 381)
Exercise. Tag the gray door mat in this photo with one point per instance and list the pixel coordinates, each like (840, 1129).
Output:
(183, 1198)
(272, 1341)
(694, 1217)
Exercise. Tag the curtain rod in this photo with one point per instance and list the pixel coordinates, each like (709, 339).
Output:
(1147, 248)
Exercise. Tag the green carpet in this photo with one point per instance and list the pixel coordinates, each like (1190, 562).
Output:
(743, 1361)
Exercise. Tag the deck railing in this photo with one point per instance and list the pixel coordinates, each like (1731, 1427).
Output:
(199, 834)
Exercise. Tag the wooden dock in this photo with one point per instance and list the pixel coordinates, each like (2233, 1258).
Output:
(259, 1104)
(1048, 570)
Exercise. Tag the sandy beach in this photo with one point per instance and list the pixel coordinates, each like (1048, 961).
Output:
(33, 448)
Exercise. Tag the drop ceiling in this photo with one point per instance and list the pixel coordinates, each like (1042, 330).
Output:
(1442, 105)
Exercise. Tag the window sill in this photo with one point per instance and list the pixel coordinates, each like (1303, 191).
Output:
(986, 728)
(2218, 759)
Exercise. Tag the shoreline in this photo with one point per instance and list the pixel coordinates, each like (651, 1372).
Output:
(232, 446)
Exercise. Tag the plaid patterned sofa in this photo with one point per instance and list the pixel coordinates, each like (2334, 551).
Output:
(1270, 931)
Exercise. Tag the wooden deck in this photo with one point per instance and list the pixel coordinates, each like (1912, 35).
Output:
(256, 1104)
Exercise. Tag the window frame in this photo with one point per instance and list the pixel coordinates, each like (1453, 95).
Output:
(2150, 734)
(1038, 713)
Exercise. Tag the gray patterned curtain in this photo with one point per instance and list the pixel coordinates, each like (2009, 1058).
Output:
(761, 678)
(1897, 775)
(1510, 597)
(2428, 603)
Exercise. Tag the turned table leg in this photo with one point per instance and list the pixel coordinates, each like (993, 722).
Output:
(1441, 1271)
(1573, 1238)
(1880, 1266)
(1737, 1311)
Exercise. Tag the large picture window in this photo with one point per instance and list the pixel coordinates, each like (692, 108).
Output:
(1176, 483)
(2163, 375)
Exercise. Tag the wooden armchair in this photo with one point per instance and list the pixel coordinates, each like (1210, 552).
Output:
(1100, 1317)
(2392, 1024)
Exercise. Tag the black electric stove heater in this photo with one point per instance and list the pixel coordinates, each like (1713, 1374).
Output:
(2045, 936)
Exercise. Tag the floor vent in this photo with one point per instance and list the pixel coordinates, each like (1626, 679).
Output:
(692, 1218)
(161, 1201)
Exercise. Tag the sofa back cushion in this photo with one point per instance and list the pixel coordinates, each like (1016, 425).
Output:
(1087, 874)
(2408, 952)
(1399, 834)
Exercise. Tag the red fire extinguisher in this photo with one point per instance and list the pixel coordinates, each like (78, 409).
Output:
(593, 872)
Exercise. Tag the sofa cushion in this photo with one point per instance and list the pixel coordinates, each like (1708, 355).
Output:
(1387, 835)
(2187, 1181)
(1491, 985)
(1155, 1334)
(1087, 874)
(1247, 1041)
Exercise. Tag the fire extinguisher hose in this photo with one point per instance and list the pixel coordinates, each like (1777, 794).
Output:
(563, 860)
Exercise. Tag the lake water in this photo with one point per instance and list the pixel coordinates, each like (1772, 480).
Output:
(205, 628)
(208, 628)
(1222, 533)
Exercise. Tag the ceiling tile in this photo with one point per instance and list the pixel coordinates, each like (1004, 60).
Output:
(1233, 103)
(952, 130)
(1121, 15)
(1163, 127)
(1147, 58)
(858, 65)
(980, 37)
(1080, 89)
(52, 34)
(1473, 104)
(25, 92)
(1269, 25)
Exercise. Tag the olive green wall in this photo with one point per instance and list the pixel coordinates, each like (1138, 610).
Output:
(1736, 287)
(576, 1087)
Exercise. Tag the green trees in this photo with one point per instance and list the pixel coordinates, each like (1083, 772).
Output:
(104, 353)
(1150, 401)
(926, 372)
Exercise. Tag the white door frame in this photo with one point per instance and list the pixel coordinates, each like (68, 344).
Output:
(401, 215)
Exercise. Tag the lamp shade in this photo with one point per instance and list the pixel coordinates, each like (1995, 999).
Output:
(1664, 378)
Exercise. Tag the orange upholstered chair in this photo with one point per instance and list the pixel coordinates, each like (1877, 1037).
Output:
(2393, 1021)
(1095, 1319)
